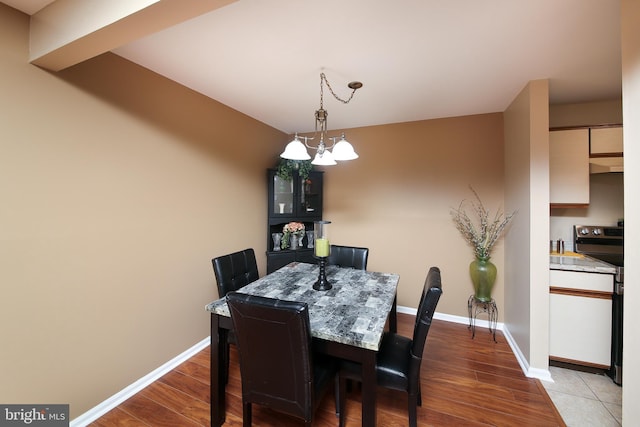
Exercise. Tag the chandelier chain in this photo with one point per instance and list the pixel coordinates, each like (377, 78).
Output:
(324, 79)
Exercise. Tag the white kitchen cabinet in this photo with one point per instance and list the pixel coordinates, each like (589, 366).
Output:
(569, 167)
(606, 140)
(580, 318)
(606, 149)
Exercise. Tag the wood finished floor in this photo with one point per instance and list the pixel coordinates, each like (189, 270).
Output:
(465, 382)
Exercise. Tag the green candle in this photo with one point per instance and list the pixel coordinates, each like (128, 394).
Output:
(322, 247)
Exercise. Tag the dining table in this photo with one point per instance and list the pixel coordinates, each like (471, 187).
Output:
(347, 321)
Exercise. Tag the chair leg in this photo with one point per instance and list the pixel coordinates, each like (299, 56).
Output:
(413, 411)
(246, 414)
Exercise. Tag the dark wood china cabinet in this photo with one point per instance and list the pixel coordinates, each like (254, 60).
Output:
(292, 200)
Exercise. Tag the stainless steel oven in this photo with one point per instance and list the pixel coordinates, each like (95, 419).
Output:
(607, 244)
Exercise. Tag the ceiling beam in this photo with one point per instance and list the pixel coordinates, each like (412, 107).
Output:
(67, 32)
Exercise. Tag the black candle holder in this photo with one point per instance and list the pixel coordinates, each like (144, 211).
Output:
(322, 284)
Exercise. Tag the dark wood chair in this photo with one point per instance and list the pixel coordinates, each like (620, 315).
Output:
(233, 271)
(348, 257)
(277, 366)
(399, 358)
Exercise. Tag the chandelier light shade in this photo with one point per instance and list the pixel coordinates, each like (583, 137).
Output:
(295, 150)
(324, 159)
(340, 149)
(343, 150)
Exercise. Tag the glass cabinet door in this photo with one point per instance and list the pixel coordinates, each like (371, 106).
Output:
(310, 196)
(282, 196)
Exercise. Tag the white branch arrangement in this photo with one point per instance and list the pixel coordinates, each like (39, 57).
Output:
(484, 234)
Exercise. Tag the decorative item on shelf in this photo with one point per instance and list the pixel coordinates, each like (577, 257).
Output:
(277, 239)
(294, 241)
(293, 232)
(482, 236)
(307, 186)
(310, 239)
(341, 148)
(322, 252)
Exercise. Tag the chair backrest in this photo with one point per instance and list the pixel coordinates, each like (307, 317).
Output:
(349, 256)
(274, 347)
(431, 277)
(426, 309)
(235, 270)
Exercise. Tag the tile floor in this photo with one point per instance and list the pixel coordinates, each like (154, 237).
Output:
(584, 399)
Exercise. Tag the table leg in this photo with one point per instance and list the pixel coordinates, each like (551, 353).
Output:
(369, 389)
(393, 316)
(217, 372)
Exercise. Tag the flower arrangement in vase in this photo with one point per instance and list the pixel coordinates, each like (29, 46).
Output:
(482, 235)
(292, 235)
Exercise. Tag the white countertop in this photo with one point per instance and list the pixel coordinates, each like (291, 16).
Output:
(580, 263)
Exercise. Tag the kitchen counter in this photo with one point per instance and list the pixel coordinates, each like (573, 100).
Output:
(573, 262)
(580, 307)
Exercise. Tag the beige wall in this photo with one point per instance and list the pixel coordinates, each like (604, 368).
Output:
(397, 197)
(117, 187)
(630, 14)
(527, 189)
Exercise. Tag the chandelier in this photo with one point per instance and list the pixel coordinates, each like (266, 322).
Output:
(340, 148)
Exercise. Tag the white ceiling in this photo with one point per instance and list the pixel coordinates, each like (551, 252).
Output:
(417, 59)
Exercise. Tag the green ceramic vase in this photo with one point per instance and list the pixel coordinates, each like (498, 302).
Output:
(483, 275)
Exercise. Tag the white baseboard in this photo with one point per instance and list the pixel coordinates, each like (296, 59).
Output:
(541, 374)
(107, 405)
(451, 318)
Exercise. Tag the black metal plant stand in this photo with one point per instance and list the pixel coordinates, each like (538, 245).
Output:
(475, 307)
(322, 284)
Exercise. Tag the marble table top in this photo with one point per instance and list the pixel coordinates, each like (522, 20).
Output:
(353, 312)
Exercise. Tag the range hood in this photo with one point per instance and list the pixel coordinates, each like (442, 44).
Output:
(606, 164)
